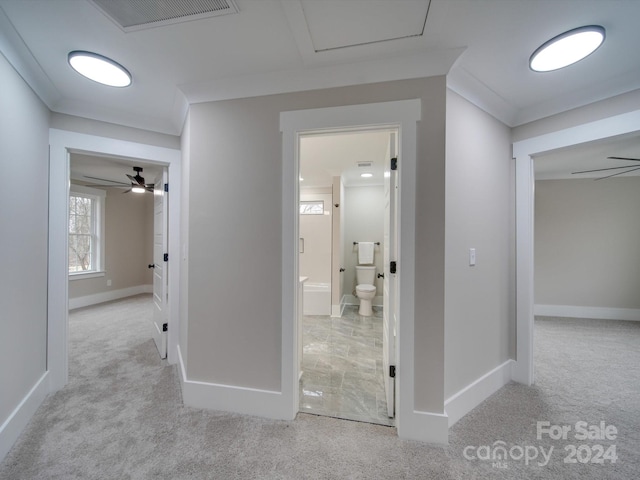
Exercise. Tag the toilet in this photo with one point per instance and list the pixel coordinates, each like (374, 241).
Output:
(365, 288)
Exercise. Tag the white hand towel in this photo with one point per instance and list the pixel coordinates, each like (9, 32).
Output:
(365, 253)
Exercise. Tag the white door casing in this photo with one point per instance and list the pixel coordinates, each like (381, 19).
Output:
(390, 280)
(160, 266)
(411, 422)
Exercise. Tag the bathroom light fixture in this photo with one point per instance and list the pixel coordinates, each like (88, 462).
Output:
(137, 189)
(567, 48)
(99, 68)
(366, 175)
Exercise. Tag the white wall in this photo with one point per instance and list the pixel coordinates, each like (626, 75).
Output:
(479, 311)
(235, 235)
(128, 245)
(364, 222)
(24, 154)
(586, 243)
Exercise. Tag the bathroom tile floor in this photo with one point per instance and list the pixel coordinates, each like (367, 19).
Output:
(342, 367)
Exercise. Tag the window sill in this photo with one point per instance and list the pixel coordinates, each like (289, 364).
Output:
(84, 276)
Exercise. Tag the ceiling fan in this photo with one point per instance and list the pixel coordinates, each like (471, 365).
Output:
(137, 184)
(628, 168)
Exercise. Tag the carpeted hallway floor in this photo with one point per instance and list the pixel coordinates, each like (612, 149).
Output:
(121, 417)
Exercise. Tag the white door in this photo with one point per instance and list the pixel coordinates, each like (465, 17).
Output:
(390, 304)
(159, 325)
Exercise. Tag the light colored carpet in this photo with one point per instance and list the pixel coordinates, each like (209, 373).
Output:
(121, 417)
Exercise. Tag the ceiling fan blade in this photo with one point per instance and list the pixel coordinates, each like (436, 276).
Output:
(133, 179)
(619, 173)
(625, 158)
(105, 180)
(124, 185)
(127, 191)
(602, 169)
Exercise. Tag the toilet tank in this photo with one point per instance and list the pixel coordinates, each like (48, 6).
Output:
(365, 275)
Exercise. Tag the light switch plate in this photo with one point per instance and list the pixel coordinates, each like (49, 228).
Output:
(472, 257)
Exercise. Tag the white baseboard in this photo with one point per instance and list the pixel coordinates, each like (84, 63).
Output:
(13, 426)
(353, 300)
(425, 427)
(108, 296)
(230, 398)
(603, 313)
(461, 403)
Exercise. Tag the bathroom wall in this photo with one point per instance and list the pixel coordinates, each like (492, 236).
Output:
(364, 222)
(315, 230)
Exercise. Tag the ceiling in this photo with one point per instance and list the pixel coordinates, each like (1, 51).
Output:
(258, 47)
(108, 170)
(561, 164)
(325, 156)
(274, 46)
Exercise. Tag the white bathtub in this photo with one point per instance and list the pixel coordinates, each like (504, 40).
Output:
(317, 298)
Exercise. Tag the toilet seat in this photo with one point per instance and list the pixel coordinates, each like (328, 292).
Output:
(365, 288)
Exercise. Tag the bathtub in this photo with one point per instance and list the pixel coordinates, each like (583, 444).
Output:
(317, 298)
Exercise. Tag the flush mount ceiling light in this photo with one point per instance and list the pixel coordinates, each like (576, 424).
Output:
(99, 69)
(567, 48)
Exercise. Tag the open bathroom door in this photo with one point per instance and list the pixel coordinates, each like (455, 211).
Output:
(390, 281)
(159, 320)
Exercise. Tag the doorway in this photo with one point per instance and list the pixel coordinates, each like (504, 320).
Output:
(62, 143)
(523, 152)
(347, 196)
(117, 234)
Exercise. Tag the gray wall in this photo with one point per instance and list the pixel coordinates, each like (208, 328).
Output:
(626, 102)
(72, 123)
(128, 245)
(24, 154)
(586, 242)
(235, 239)
(364, 221)
(479, 310)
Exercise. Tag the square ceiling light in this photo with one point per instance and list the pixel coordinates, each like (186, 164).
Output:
(132, 15)
(335, 24)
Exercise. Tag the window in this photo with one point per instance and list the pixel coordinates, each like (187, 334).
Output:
(312, 208)
(86, 231)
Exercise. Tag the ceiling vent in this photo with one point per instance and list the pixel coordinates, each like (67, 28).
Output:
(365, 164)
(132, 15)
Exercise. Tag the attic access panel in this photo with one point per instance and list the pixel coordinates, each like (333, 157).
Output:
(335, 24)
(132, 15)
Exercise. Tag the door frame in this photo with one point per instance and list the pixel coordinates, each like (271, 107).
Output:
(404, 116)
(61, 143)
(523, 152)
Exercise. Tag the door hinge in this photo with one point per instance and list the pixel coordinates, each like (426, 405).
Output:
(392, 267)
(394, 163)
(392, 371)
(165, 327)
(166, 257)
(166, 187)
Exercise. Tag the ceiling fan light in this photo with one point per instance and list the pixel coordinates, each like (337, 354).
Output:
(99, 68)
(138, 189)
(366, 175)
(567, 48)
